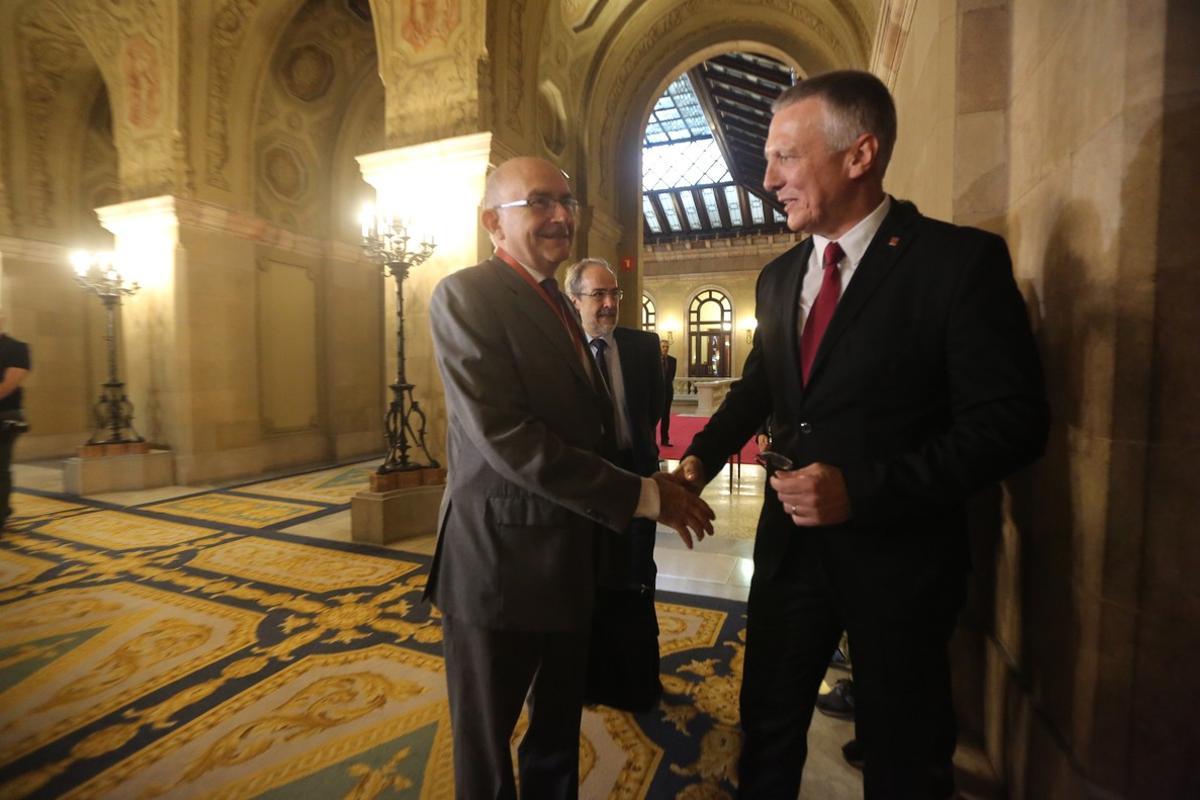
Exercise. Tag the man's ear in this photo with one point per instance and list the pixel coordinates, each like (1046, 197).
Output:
(860, 158)
(490, 219)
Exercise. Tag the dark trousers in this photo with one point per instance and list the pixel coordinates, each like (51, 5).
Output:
(489, 674)
(6, 451)
(904, 717)
(665, 423)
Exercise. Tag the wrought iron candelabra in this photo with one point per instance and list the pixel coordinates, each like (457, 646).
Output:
(386, 242)
(113, 412)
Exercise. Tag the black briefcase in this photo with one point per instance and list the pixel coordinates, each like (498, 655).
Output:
(623, 655)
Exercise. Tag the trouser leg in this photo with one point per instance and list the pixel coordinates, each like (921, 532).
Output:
(904, 708)
(6, 452)
(488, 673)
(792, 627)
(548, 756)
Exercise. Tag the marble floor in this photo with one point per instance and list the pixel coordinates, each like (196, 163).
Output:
(720, 566)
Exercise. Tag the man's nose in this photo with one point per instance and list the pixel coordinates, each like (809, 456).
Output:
(771, 181)
(559, 213)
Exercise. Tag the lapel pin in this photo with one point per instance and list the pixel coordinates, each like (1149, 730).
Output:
(892, 242)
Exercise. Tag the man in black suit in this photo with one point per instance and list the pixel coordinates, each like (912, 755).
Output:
(527, 495)
(628, 360)
(894, 357)
(668, 373)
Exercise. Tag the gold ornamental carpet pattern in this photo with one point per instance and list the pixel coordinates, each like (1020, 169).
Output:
(188, 649)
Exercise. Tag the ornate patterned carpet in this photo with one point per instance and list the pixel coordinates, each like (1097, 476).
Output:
(188, 649)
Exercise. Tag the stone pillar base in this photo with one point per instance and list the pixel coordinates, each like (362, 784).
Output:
(385, 517)
(116, 473)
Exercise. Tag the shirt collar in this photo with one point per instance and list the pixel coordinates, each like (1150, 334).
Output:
(855, 241)
(511, 260)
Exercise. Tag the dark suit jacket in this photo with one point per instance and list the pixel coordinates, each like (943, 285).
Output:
(629, 560)
(668, 375)
(527, 491)
(927, 386)
(641, 366)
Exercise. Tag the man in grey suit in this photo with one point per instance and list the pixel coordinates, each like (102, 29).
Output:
(528, 493)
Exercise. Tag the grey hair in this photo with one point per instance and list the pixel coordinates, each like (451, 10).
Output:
(856, 102)
(574, 278)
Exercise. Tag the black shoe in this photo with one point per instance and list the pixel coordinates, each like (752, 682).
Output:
(839, 701)
(666, 443)
(852, 751)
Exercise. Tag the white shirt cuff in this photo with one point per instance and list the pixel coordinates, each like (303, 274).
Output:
(649, 503)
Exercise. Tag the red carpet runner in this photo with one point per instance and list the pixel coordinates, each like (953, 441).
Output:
(683, 428)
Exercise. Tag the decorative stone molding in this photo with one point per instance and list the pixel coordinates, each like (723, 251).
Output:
(581, 14)
(552, 118)
(307, 72)
(516, 63)
(49, 52)
(284, 172)
(721, 249)
(229, 27)
(209, 217)
(891, 36)
(31, 250)
(136, 45)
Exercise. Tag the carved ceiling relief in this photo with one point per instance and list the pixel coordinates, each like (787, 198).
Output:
(319, 59)
(51, 55)
(230, 23)
(133, 40)
(516, 65)
(552, 119)
(434, 60)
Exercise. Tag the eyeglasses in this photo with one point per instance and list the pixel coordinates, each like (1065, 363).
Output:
(544, 203)
(600, 294)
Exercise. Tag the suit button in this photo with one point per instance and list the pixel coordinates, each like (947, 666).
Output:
(805, 428)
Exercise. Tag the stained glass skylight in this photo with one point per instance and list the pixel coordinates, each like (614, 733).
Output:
(668, 208)
(689, 208)
(710, 204)
(756, 209)
(651, 217)
(735, 205)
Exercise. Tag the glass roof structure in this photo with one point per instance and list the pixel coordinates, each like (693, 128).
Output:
(690, 188)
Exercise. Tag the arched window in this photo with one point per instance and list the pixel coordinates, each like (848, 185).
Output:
(710, 326)
(648, 315)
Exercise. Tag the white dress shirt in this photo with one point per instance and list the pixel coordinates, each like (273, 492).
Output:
(854, 244)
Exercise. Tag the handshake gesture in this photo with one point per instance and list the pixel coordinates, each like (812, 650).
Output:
(812, 495)
(681, 508)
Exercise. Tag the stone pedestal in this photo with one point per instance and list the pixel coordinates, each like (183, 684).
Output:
(385, 517)
(116, 473)
(711, 394)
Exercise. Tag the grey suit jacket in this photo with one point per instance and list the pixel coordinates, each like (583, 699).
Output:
(527, 492)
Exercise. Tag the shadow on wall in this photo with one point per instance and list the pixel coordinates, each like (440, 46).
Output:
(1075, 336)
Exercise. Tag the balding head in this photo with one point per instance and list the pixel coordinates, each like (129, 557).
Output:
(537, 233)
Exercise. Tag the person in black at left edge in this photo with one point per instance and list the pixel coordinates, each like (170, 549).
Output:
(14, 366)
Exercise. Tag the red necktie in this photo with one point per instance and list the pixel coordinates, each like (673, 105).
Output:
(822, 309)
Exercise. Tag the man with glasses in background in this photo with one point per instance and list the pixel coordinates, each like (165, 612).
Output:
(528, 492)
(626, 675)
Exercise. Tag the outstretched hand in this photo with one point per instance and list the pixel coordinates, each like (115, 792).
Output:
(681, 510)
(690, 474)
